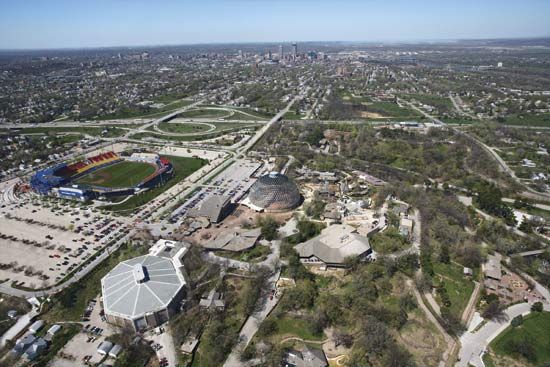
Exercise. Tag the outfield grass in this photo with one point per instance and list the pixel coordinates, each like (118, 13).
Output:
(459, 288)
(183, 167)
(122, 174)
(536, 330)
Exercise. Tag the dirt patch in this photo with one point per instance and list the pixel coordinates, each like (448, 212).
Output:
(425, 345)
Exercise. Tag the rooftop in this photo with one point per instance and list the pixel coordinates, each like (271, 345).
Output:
(235, 240)
(334, 244)
(141, 285)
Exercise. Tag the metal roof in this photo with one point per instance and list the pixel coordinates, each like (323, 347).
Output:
(141, 285)
(274, 191)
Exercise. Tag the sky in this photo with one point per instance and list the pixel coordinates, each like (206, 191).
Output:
(29, 24)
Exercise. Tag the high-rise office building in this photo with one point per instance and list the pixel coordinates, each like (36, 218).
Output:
(294, 50)
(281, 56)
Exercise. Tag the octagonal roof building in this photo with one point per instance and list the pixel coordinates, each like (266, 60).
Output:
(143, 292)
(274, 192)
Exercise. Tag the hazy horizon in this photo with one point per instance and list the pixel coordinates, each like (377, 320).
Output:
(64, 24)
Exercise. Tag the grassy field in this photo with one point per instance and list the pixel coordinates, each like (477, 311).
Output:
(535, 330)
(110, 132)
(183, 167)
(539, 119)
(288, 326)
(123, 174)
(391, 109)
(388, 241)
(443, 104)
(222, 128)
(459, 288)
(291, 115)
(204, 113)
(254, 112)
(242, 116)
(184, 128)
(125, 113)
(459, 121)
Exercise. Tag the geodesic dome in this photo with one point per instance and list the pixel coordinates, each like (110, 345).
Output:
(274, 191)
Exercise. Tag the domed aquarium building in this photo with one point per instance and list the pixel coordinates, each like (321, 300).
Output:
(273, 192)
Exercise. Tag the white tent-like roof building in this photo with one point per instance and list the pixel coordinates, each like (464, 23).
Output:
(143, 292)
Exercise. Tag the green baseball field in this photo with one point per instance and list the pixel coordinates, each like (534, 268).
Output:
(122, 174)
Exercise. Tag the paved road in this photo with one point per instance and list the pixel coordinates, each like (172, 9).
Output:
(474, 344)
(18, 327)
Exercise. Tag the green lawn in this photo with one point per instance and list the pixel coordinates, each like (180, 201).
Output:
(535, 331)
(110, 131)
(459, 121)
(391, 109)
(123, 174)
(293, 326)
(183, 167)
(222, 128)
(184, 128)
(242, 116)
(388, 241)
(252, 111)
(204, 113)
(538, 119)
(459, 288)
(124, 113)
(291, 115)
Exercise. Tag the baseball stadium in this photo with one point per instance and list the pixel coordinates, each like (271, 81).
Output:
(102, 176)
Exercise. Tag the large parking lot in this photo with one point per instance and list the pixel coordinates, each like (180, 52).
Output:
(41, 242)
(235, 181)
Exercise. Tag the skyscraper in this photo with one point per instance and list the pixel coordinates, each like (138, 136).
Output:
(294, 50)
(281, 52)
